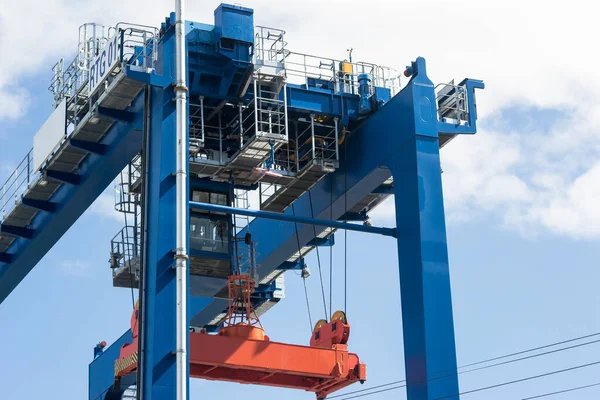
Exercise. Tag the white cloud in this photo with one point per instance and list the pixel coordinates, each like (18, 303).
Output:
(104, 206)
(76, 268)
(537, 179)
(13, 102)
(575, 212)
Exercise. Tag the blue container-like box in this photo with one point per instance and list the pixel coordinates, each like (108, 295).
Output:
(235, 23)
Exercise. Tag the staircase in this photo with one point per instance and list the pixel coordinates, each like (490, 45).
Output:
(125, 245)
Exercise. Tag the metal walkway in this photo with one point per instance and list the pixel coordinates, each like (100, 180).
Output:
(31, 199)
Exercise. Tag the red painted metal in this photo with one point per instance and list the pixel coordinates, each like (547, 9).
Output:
(238, 359)
(127, 361)
(241, 352)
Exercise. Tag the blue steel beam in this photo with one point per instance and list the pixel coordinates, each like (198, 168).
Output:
(293, 218)
(401, 138)
(427, 319)
(96, 172)
(321, 101)
(103, 369)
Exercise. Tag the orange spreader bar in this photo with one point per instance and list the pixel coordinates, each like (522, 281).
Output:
(241, 352)
(262, 362)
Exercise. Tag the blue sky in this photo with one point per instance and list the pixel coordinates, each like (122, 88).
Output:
(522, 226)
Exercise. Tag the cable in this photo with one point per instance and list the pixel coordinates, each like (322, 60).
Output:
(485, 387)
(492, 359)
(307, 305)
(562, 391)
(475, 369)
(312, 213)
(520, 380)
(533, 349)
(528, 357)
(303, 278)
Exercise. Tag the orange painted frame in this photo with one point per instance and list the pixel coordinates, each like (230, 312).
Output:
(262, 362)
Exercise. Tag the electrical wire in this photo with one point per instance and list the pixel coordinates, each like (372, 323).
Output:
(562, 391)
(489, 360)
(303, 278)
(520, 380)
(533, 349)
(312, 213)
(485, 387)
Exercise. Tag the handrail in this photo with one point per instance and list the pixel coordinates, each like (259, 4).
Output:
(16, 185)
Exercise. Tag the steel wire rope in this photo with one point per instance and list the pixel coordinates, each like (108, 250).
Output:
(303, 278)
(562, 391)
(488, 360)
(312, 214)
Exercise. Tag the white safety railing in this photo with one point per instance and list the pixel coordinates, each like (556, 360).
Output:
(138, 44)
(137, 48)
(269, 44)
(16, 185)
(125, 250)
(341, 76)
(452, 101)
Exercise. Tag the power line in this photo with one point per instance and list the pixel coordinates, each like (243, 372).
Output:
(488, 360)
(521, 380)
(486, 387)
(533, 349)
(562, 391)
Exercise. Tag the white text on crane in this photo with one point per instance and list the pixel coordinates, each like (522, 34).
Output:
(105, 62)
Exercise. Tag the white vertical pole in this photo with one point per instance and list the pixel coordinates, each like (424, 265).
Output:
(181, 257)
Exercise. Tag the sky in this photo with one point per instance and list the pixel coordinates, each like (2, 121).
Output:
(520, 195)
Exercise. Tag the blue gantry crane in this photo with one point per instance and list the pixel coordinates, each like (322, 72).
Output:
(191, 119)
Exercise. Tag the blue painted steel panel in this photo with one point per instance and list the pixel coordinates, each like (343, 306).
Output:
(235, 22)
(102, 369)
(422, 249)
(321, 101)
